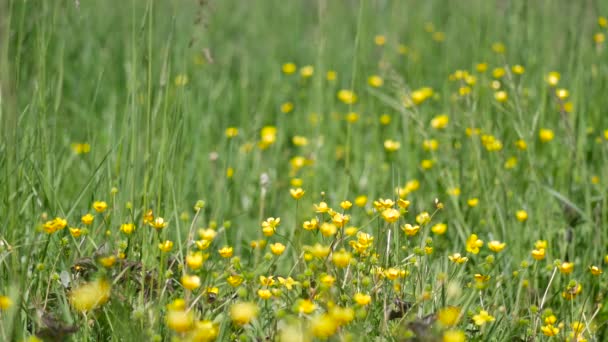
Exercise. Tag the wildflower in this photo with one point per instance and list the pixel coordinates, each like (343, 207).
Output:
(296, 193)
(403, 203)
(410, 230)
(440, 121)
(5, 303)
(202, 244)
(159, 223)
(385, 119)
(449, 316)
(501, 96)
(549, 330)
(270, 225)
(107, 261)
(181, 80)
(328, 229)
(322, 207)
(457, 258)
(347, 96)
(566, 267)
(75, 232)
(538, 254)
(553, 78)
(498, 48)
(482, 318)
(361, 201)
(310, 225)
(392, 273)
(596, 271)
(166, 246)
(599, 37)
(498, 72)
(319, 251)
(307, 71)
(234, 280)
(100, 206)
(518, 69)
(473, 244)
(426, 164)
(391, 145)
(54, 225)
(545, 135)
(87, 219)
(496, 246)
(225, 252)
(454, 336)
(231, 132)
(331, 75)
(264, 294)
(391, 215)
(423, 218)
(454, 191)
(472, 202)
(305, 306)
(205, 331)
(287, 282)
(383, 204)
(277, 248)
(362, 299)
(288, 68)
(268, 136)
(81, 148)
(243, 313)
(350, 231)
(267, 281)
(430, 144)
(379, 40)
(180, 320)
(375, 81)
(439, 228)
(340, 219)
(127, 228)
(341, 315)
(346, 205)
(323, 326)
(352, 117)
(521, 215)
(481, 67)
(572, 290)
(191, 282)
(195, 260)
(341, 258)
(90, 295)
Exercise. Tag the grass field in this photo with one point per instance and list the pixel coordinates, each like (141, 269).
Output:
(303, 170)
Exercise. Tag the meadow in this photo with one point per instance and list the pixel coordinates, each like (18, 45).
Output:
(352, 170)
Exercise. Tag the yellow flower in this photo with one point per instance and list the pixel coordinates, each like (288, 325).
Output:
(596, 271)
(127, 228)
(362, 299)
(289, 68)
(599, 37)
(521, 215)
(340, 220)
(545, 135)
(158, 223)
(481, 67)
(181, 80)
(287, 282)
(518, 69)
(498, 47)
(457, 258)
(391, 215)
(264, 294)
(191, 282)
(380, 40)
(341, 258)
(430, 145)
(549, 330)
(410, 230)
(277, 248)
(449, 316)
(328, 229)
(226, 251)
(501, 96)
(473, 244)
(323, 326)
(231, 132)
(307, 71)
(346, 205)
(310, 225)
(347, 96)
(498, 72)
(538, 254)
(299, 141)
(553, 78)
(243, 313)
(454, 336)
(180, 320)
(566, 267)
(81, 148)
(205, 331)
(268, 136)
(5, 303)
(270, 225)
(195, 260)
(572, 290)
(426, 164)
(440, 121)
(423, 218)
(439, 228)
(287, 107)
(87, 219)
(297, 193)
(75, 232)
(391, 145)
(166, 246)
(234, 280)
(482, 318)
(602, 21)
(361, 201)
(496, 246)
(306, 306)
(331, 75)
(108, 261)
(472, 202)
(100, 206)
(375, 81)
(90, 295)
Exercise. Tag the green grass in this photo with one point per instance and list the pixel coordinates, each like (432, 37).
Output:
(104, 73)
